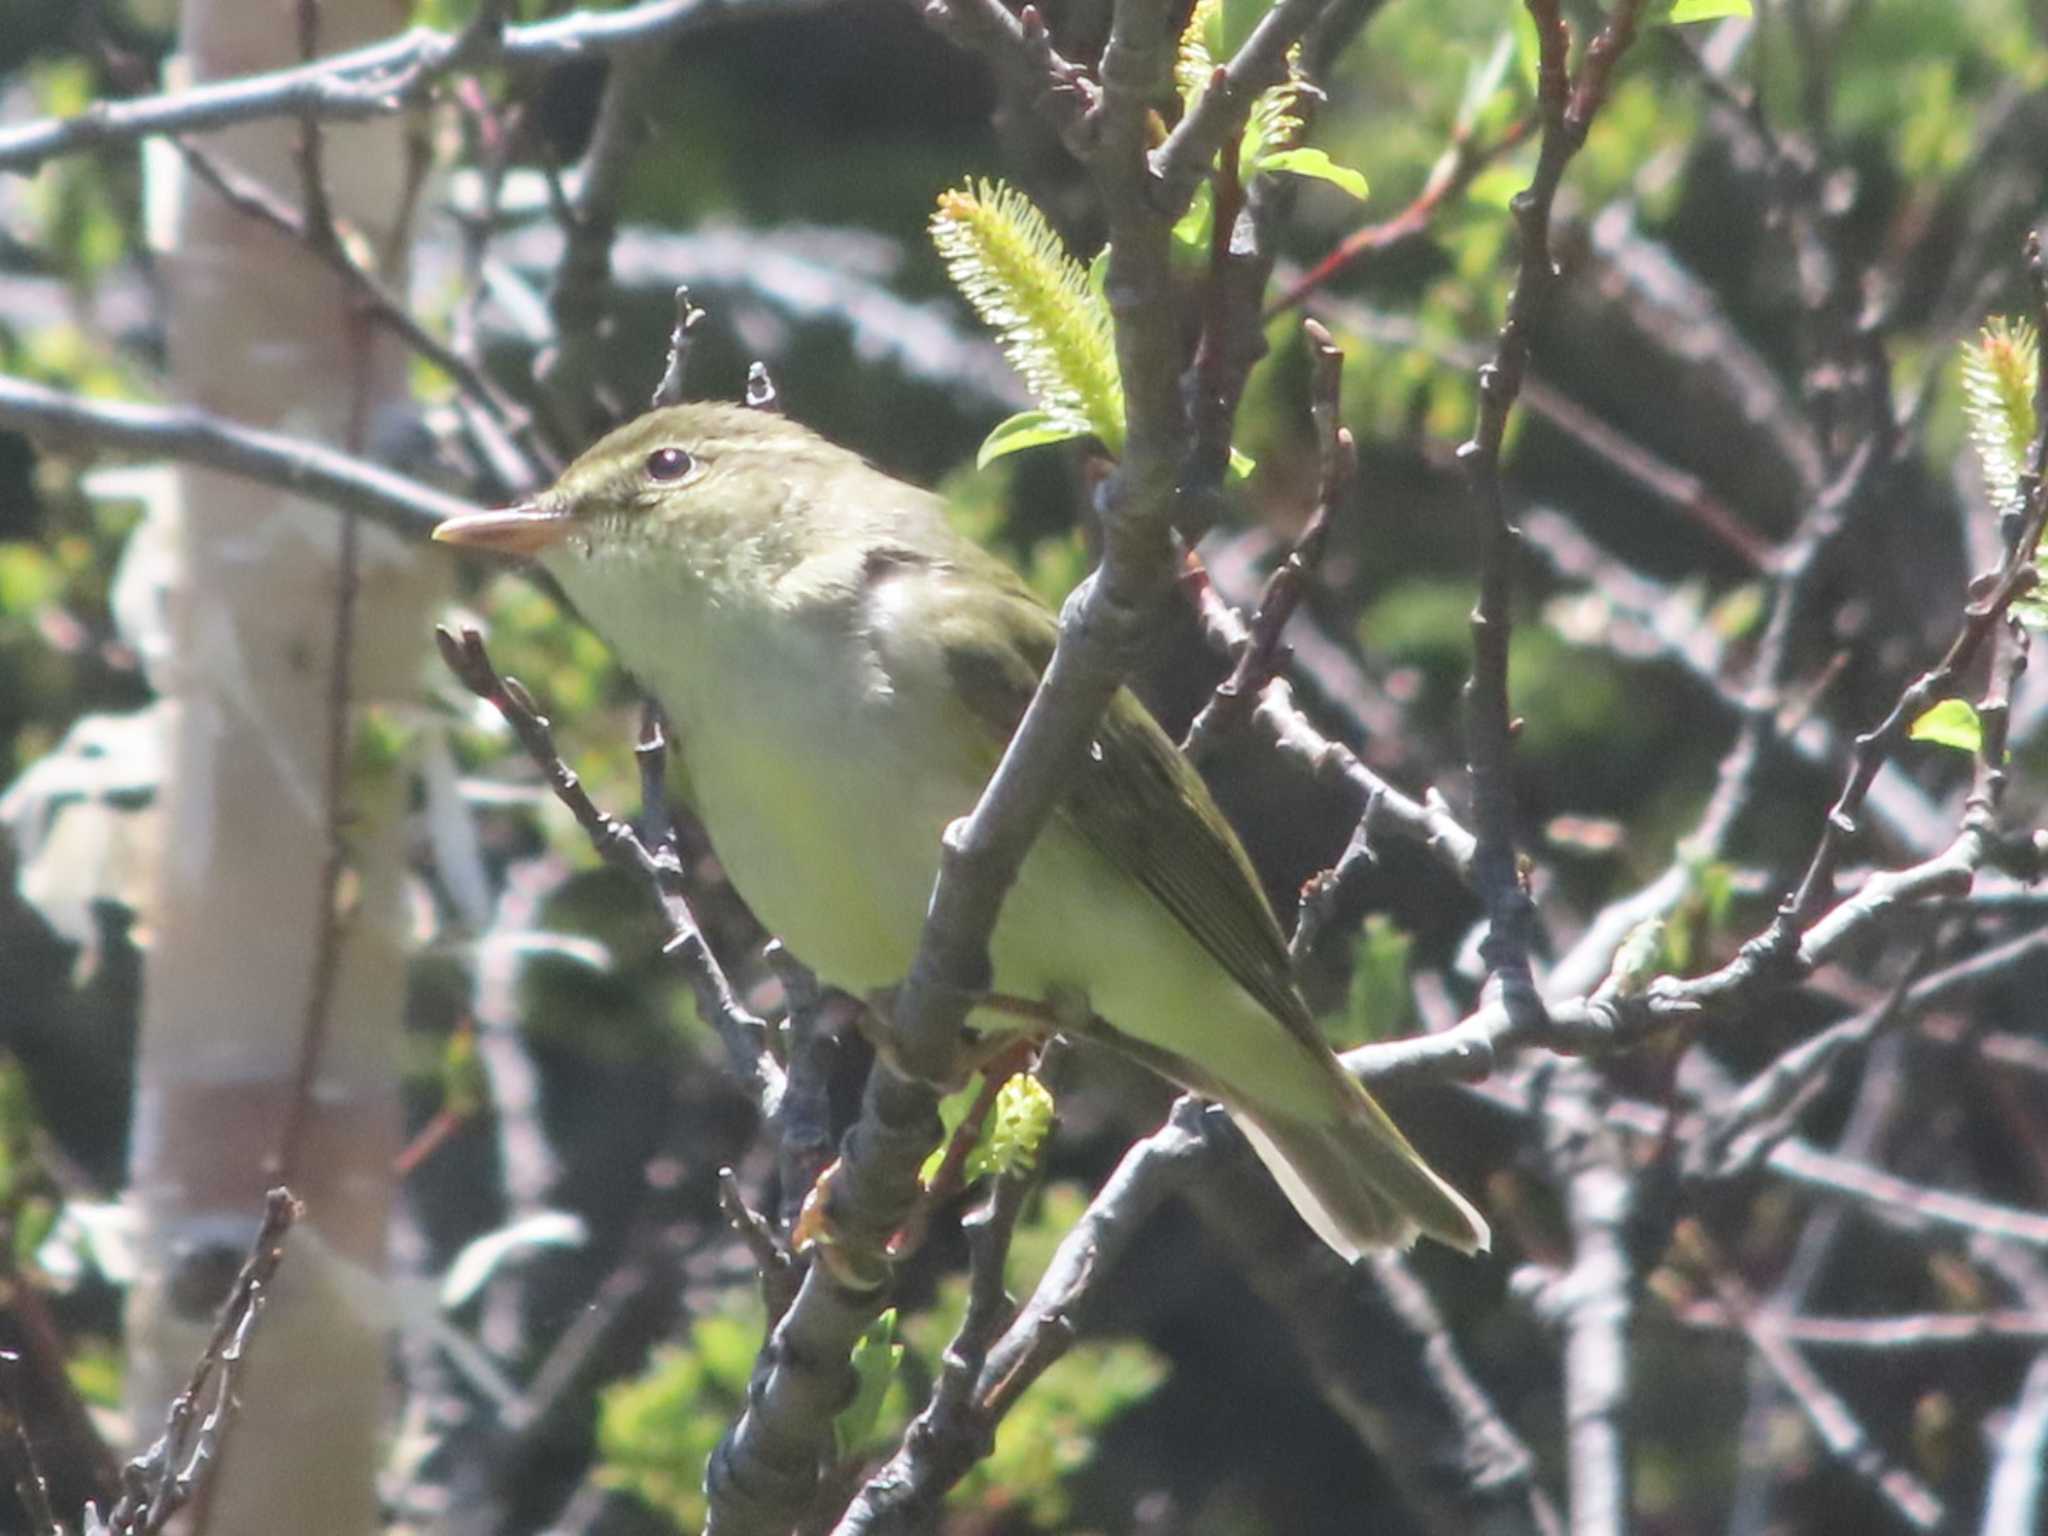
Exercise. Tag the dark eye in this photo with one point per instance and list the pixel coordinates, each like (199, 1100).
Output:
(669, 464)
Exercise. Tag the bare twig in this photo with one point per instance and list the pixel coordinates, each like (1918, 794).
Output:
(898, 1497)
(2019, 1472)
(779, 1271)
(805, 1146)
(1885, 1335)
(1899, 1202)
(1379, 1354)
(161, 1481)
(618, 844)
(579, 298)
(1566, 107)
(1019, 46)
(1983, 616)
(670, 390)
(1593, 1302)
(1429, 822)
(314, 228)
(68, 422)
(1844, 1435)
(1262, 654)
(331, 918)
(30, 1486)
(378, 80)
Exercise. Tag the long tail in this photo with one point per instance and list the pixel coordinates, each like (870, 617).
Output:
(1357, 1181)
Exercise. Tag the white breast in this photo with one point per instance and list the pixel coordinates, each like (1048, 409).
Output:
(804, 762)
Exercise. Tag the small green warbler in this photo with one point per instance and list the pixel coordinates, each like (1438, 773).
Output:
(845, 669)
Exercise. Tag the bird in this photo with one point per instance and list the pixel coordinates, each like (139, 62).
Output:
(845, 669)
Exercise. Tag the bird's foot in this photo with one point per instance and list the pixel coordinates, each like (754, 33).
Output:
(814, 1236)
(978, 1047)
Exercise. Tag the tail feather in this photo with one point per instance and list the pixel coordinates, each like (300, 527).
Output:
(1358, 1183)
(1343, 1163)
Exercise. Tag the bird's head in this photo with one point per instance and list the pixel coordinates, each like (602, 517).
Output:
(673, 478)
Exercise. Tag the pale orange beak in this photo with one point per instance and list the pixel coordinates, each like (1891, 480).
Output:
(525, 530)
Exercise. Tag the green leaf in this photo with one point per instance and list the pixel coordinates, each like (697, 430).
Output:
(1026, 429)
(33, 1222)
(1192, 231)
(1005, 258)
(465, 1084)
(1708, 10)
(1238, 18)
(95, 1368)
(1241, 466)
(875, 1360)
(1738, 612)
(656, 1432)
(1023, 1119)
(1314, 163)
(953, 1110)
(1951, 723)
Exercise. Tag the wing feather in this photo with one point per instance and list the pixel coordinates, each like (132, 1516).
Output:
(1137, 799)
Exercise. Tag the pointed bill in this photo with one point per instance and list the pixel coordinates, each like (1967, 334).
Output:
(522, 530)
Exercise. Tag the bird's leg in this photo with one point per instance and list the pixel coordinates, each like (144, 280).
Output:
(978, 1048)
(998, 1056)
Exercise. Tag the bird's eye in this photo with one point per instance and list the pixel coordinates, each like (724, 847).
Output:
(669, 465)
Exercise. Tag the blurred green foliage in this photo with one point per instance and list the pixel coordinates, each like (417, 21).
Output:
(852, 122)
(657, 1431)
(1381, 1005)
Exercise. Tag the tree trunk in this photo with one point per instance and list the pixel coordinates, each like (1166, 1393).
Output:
(261, 331)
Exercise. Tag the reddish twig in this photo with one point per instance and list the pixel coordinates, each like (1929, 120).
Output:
(1455, 171)
(1566, 110)
(1262, 654)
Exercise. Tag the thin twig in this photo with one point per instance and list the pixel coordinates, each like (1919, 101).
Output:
(30, 1486)
(1456, 170)
(897, 1498)
(295, 464)
(779, 1271)
(804, 1147)
(569, 370)
(1566, 107)
(315, 229)
(618, 844)
(379, 79)
(1262, 654)
(1594, 1303)
(1840, 1430)
(161, 1481)
(688, 317)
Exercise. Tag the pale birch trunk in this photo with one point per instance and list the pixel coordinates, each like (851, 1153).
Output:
(262, 332)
